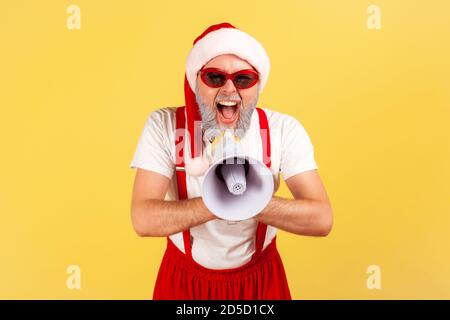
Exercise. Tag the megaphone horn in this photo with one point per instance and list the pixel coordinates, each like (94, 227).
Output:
(236, 187)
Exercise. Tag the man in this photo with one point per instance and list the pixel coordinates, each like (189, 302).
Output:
(207, 257)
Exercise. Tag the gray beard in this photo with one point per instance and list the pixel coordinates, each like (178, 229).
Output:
(209, 125)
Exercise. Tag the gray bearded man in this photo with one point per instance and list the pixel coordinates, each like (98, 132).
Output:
(208, 257)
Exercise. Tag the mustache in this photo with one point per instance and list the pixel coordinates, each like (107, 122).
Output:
(224, 97)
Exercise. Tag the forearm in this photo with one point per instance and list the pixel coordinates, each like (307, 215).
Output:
(157, 218)
(303, 217)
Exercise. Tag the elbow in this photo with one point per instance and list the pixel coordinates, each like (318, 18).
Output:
(139, 228)
(325, 230)
(140, 231)
(144, 230)
(326, 223)
(142, 227)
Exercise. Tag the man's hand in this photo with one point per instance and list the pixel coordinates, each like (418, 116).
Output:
(152, 216)
(309, 214)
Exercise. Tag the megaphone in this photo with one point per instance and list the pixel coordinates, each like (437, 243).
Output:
(235, 187)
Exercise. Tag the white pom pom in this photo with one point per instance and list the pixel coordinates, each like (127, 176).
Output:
(197, 166)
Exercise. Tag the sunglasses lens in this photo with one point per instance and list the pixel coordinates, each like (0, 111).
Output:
(243, 81)
(215, 79)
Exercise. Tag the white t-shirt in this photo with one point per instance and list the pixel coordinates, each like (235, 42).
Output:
(221, 244)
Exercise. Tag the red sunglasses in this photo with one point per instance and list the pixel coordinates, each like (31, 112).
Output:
(242, 79)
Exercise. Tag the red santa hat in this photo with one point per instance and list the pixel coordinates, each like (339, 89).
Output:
(216, 40)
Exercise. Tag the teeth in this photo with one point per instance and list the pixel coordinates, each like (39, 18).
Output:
(228, 103)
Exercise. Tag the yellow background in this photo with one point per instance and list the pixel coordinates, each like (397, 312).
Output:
(374, 102)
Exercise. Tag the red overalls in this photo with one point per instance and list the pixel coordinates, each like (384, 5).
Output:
(182, 278)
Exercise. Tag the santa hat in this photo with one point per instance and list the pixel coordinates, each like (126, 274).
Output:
(216, 40)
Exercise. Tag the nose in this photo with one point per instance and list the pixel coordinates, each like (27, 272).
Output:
(228, 88)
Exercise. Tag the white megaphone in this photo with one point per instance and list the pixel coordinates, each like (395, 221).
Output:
(235, 187)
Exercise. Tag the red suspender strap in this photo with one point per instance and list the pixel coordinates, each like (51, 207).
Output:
(265, 136)
(180, 136)
(265, 140)
(179, 153)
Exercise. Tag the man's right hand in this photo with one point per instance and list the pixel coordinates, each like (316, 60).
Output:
(152, 216)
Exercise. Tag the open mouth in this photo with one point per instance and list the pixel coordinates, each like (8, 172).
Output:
(228, 110)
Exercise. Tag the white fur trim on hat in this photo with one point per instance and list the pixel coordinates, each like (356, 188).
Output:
(227, 41)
